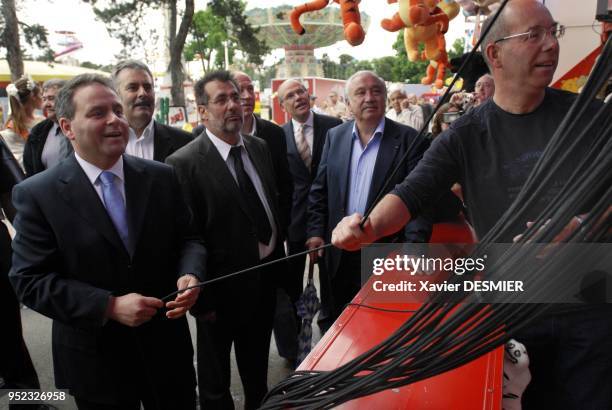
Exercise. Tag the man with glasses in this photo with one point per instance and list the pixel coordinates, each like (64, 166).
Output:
(491, 151)
(228, 181)
(305, 135)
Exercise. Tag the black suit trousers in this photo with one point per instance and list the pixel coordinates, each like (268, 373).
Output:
(249, 329)
(16, 366)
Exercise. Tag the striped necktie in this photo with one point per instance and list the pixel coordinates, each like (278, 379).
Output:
(302, 145)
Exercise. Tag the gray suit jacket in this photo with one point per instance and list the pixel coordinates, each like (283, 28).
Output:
(328, 194)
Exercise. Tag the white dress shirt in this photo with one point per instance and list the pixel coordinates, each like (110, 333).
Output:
(224, 150)
(93, 174)
(411, 116)
(142, 146)
(308, 131)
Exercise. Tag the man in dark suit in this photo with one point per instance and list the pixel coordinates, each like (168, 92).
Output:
(274, 137)
(16, 367)
(46, 145)
(100, 238)
(305, 135)
(148, 138)
(230, 186)
(357, 158)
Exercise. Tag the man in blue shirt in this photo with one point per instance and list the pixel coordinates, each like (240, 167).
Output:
(357, 158)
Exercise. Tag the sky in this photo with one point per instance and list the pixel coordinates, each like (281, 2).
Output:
(100, 48)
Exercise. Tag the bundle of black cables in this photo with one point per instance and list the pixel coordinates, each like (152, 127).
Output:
(444, 335)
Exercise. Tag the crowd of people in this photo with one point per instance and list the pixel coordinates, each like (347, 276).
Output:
(117, 210)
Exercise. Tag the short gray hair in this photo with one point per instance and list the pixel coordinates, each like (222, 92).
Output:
(64, 102)
(129, 64)
(497, 31)
(363, 72)
(53, 83)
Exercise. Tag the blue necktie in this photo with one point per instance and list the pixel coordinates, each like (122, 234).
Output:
(113, 201)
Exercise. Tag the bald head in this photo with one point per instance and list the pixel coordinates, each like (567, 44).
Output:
(485, 88)
(522, 55)
(294, 99)
(506, 23)
(247, 92)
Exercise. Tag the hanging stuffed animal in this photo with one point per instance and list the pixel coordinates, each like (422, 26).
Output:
(351, 19)
(425, 21)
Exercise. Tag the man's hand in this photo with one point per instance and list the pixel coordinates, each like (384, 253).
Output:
(573, 225)
(313, 243)
(349, 236)
(132, 309)
(184, 300)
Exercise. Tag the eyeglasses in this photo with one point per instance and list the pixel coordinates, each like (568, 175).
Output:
(295, 94)
(538, 34)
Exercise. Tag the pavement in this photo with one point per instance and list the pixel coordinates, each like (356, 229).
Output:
(37, 334)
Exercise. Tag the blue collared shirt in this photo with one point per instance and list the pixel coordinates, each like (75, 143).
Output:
(363, 160)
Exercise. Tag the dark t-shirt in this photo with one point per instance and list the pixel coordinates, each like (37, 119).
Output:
(490, 152)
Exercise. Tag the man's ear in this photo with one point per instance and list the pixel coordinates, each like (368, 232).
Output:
(202, 113)
(282, 105)
(492, 52)
(66, 126)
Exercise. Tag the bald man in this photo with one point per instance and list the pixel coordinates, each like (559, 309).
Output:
(493, 149)
(485, 88)
(305, 135)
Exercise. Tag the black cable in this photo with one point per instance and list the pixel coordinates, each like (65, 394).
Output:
(440, 337)
(381, 309)
(243, 271)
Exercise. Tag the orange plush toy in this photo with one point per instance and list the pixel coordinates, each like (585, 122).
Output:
(425, 21)
(351, 19)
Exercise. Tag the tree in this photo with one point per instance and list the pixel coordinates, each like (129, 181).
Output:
(208, 33)
(411, 72)
(124, 18)
(35, 35)
(240, 32)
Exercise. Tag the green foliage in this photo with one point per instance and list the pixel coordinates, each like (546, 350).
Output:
(395, 68)
(124, 20)
(35, 36)
(88, 64)
(208, 34)
(240, 33)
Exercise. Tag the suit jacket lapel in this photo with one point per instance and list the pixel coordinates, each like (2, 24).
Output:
(216, 166)
(39, 143)
(389, 147)
(344, 162)
(258, 163)
(317, 139)
(161, 143)
(137, 190)
(76, 189)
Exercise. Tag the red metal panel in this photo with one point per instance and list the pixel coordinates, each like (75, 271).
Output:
(474, 386)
